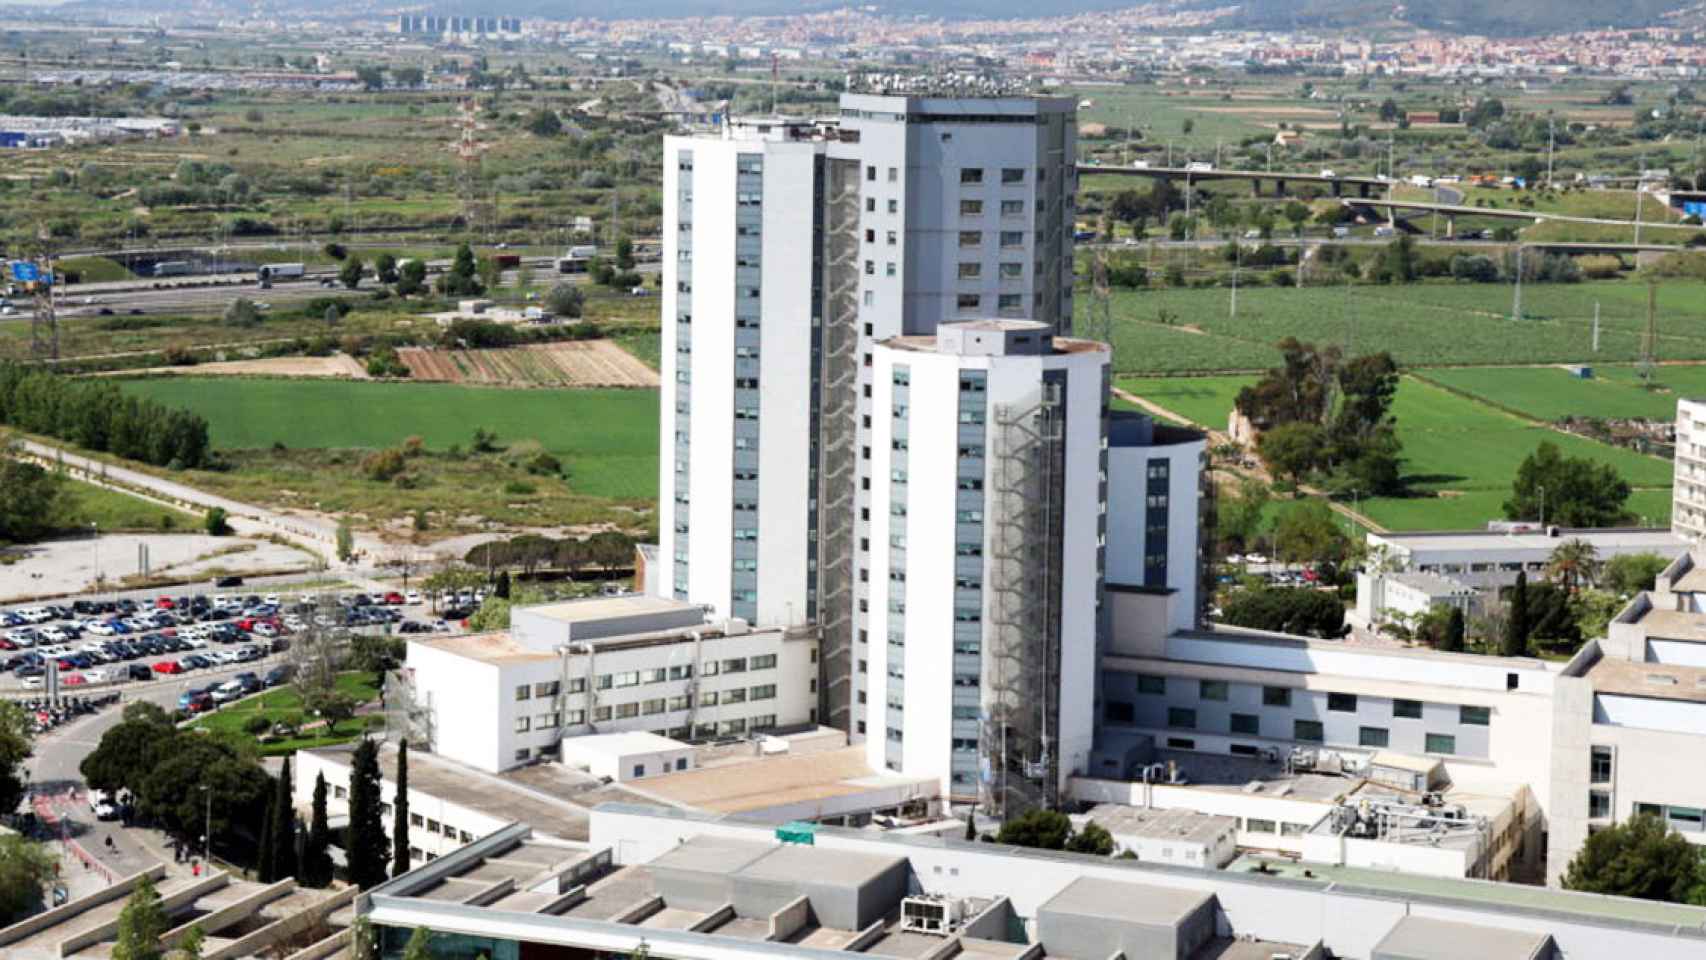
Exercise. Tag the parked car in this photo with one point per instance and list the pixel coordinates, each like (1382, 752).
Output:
(277, 675)
(168, 667)
(140, 671)
(228, 582)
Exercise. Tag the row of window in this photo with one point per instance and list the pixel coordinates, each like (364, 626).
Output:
(1004, 302)
(1008, 270)
(969, 175)
(1009, 239)
(634, 678)
(1220, 690)
(974, 208)
(1309, 731)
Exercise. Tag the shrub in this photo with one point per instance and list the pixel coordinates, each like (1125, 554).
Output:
(257, 725)
(383, 465)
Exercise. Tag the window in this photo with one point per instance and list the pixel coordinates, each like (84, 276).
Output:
(971, 208)
(1407, 709)
(969, 301)
(415, 820)
(545, 689)
(736, 665)
(1012, 271)
(629, 679)
(1181, 743)
(968, 174)
(639, 769)
(600, 714)
(894, 205)
(1012, 174)
(1012, 239)
(1212, 690)
(1475, 716)
(681, 672)
(523, 692)
(577, 685)
(654, 676)
(1257, 825)
(1119, 711)
(1686, 819)
(1342, 702)
(523, 724)
(894, 174)
(1440, 743)
(653, 706)
(1599, 804)
(1012, 208)
(971, 239)
(708, 698)
(893, 238)
(737, 695)
(1599, 765)
(1309, 731)
(1373, 737)
(1150, 683)
(1009, 303)
(971, 271)
(709, 669)
(1276, 696)
(548, 721)
(627, 711)
(764, 692)
(763, 661)
(1183, 717)
(1247, 723)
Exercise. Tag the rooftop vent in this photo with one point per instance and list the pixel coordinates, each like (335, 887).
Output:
(1661, 680)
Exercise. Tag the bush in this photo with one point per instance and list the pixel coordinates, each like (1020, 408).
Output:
(544, 464)
(257, 725)
(217, 523)
(241, 312)
(565, 300)
(1600, 267)
(383, 465)
(1287, 610)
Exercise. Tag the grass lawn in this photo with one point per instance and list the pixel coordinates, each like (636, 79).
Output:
(607, 439)
(111, 511)
(285, 704)
(1550, 393)
(1469, 453)
(1205, 401)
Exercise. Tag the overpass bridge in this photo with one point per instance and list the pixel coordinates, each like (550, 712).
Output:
(1336, 185)
(1451, 211)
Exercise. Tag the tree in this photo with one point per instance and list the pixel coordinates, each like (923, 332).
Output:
(332, 706)
(217, 523)
(267, 859)
(1308, 532)
(411, 277)
(365, 843)
(15, 748)
(1573, 564)
(971, 826)
(1294, 449)
(25, 869)
(371, 77)
(419, 946)
(385, 268)
(501, 590)
(1640, 857)
(141, 924)
(624, 253)
(1041, 829)
(1574, 491)
(565, 299)
(544, 122)
(462, 279)
(202, 782)
(1094, 839)
(1297, 213)
(345, 540)
(241, 312)
(29, 499)
(283, 836)
(128, 751)
(407, 76)
(1286, 610)
(1515, 641)
(400, 814)
(1455, 629)
(350, 274)
(191, 946)
(1629, 573)
(316, 868)
(1238, 516)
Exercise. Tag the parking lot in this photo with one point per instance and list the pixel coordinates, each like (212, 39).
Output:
(118, 640)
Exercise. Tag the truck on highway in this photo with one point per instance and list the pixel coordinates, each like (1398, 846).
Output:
(172, 268)
(577, 259)
(507, 261)
(1199, 166)
(281, 271)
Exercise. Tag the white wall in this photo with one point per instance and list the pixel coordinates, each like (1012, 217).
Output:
(463, 696)
(1466, 672)
(432, 810)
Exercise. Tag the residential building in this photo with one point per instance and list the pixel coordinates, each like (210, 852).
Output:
(988, 515)
(1155, 549)
(1688, 491)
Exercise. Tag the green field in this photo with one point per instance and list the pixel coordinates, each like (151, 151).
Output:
(607, 437)
(285, 704)
(1550, 393)
(110, 511)
(1425, 324)
(1460, 456)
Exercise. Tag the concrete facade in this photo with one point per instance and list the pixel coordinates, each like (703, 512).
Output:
(1688, 491)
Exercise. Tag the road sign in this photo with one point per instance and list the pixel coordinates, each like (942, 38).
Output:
(24, 271)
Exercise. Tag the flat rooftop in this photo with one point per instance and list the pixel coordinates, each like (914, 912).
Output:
(758, 783)
(1675, 624)
(1233, 774)
(496, 648)
(622, 744)
(1426, 938)
(1174, 824)
(1133, 902)
(498, 797)
(1637, 679)
(607, 608)
(1621, 539)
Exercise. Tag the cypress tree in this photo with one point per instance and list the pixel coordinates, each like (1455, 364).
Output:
(400, 814)
(265, 865)
(364, 843)
(1455, 630)
(1517, 627)
(316, 861)
(282, 825)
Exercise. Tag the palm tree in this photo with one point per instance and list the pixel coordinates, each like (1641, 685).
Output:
(1575, 563)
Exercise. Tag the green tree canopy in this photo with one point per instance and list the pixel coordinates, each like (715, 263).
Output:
(1574, 491)
(1642, 858)
(1286, 610)
(1629, 573)
(365, 844)
(141, 923)
(25, 870)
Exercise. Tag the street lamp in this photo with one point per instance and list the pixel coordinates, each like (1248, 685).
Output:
(207, 836)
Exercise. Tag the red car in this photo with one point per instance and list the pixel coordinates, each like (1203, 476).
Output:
(168, 666)
(394, 598)
(164, 603)
(74, 680)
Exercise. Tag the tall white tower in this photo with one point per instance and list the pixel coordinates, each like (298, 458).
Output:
(988, 516)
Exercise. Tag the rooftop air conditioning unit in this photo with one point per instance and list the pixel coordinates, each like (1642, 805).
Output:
(935, 916)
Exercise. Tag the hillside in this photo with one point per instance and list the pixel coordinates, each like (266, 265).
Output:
(1510, 18)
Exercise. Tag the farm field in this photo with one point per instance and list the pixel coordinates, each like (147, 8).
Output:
(608, 437)
(1463, 451)
(572, 363)
(1421, 324)
(1551, 393)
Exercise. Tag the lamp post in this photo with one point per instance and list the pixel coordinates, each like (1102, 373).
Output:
(207, 827)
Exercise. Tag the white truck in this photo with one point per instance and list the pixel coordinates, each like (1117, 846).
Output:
(281, 271)
(1199, 166)
(577, 259)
